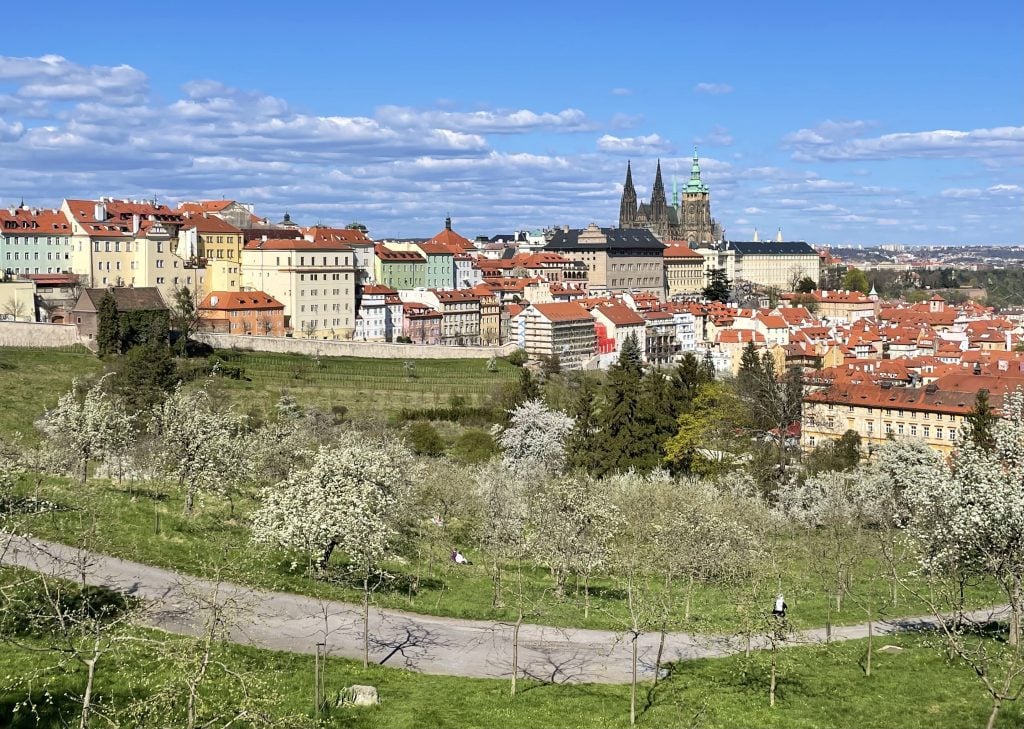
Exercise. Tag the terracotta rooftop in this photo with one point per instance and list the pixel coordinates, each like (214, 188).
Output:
(239, 301)
(563, 311)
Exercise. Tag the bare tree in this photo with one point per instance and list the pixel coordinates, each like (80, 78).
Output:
(15, 308)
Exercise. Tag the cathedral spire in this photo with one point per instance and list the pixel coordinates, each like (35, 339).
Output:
(695, 169)
(658, 216)
(627, 208)
(658, 192)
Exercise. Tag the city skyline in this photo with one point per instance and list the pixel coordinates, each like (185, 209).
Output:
(859, 126)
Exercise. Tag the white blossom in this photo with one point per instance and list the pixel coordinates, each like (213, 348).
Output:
(534, 441)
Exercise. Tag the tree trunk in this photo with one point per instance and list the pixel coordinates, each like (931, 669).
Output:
(87, 696)
(496, 601)
(586, 596)
(366, 620)
(632, 687)
(189, 500)
(689, 598)
(515, 649)
(661, 652)
(1015, 612)
(828, 620)
(321, 564)
(771, 686)
(996, 705)
(871, 643)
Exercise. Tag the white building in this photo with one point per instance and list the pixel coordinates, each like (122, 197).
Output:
(316, 282)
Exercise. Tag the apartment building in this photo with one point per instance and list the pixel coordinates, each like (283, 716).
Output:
(316, 282)
(565, 329)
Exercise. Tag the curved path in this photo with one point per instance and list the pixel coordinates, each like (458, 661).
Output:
(297, 623)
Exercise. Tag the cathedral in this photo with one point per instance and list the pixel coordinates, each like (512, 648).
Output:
(688, 219)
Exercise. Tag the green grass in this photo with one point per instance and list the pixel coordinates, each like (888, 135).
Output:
(365, 386)
(818, 687)
(150, 527)
(31, 381)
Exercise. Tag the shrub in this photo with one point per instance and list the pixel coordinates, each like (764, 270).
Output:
(518, 358)
(473, 446)
(424, 439)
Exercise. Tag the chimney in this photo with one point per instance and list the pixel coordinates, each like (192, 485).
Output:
(135, 223)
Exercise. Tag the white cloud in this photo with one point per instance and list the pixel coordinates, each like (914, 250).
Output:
(826, 133)
(53, 77)
(752, 211)
(940, 143)
(486, 122)
(620, 91)
(705, 87)
(718, 137)
(645, 144)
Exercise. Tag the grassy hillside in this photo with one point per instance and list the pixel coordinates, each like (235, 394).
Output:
(364, 386)
(818, 687)
(31, 381)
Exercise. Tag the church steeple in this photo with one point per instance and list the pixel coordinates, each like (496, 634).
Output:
(695, 185)
(627, 208)
(658, 214)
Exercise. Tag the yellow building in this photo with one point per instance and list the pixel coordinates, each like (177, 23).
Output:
(684, 270)
(877, 412)
(316, 282)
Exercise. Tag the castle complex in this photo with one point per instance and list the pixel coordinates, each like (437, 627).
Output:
(687, 218)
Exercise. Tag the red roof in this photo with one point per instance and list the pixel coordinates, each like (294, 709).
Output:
(204, 206)
(321, 233)
(210, 224)
(619, 314)
(450, 238)
(239, 301)
(388, 254)
(33, 221)
(682, 251)
(563, 312)
(293, 244)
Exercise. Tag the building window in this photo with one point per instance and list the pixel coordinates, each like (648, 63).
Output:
(899, 428)
(913, 430)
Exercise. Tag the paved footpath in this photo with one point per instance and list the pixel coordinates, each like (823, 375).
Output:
(450, 646)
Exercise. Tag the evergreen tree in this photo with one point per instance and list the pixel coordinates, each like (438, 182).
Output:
(621, 443)
(656, 419)
(184, 318)
(980, 422)
(146, 375)
(108, 337)
(582, 444)
(630, 355)
(719, 287)
(751, 372)
(687, 376)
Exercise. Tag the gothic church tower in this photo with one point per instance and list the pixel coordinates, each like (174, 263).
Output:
(627, 208)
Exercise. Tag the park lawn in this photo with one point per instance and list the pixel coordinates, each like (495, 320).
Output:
(150, 527)
(365, 387)
(818, 687)
(32, 380)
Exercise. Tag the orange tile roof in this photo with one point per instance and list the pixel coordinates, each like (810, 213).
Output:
(204, 206)
(239, 301)
(682, 251)
(33, 221)
(292, 244)
(619, 314)
(210, 224)
(563, 311)
(321, 233)
(392, 256)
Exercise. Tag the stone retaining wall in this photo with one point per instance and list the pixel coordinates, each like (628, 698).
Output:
(331, 348)
(30, 334)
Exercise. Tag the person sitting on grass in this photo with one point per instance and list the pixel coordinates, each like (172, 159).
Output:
(779, 610)
(458, 558)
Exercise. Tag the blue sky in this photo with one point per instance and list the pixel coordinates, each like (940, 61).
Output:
(862, 122)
